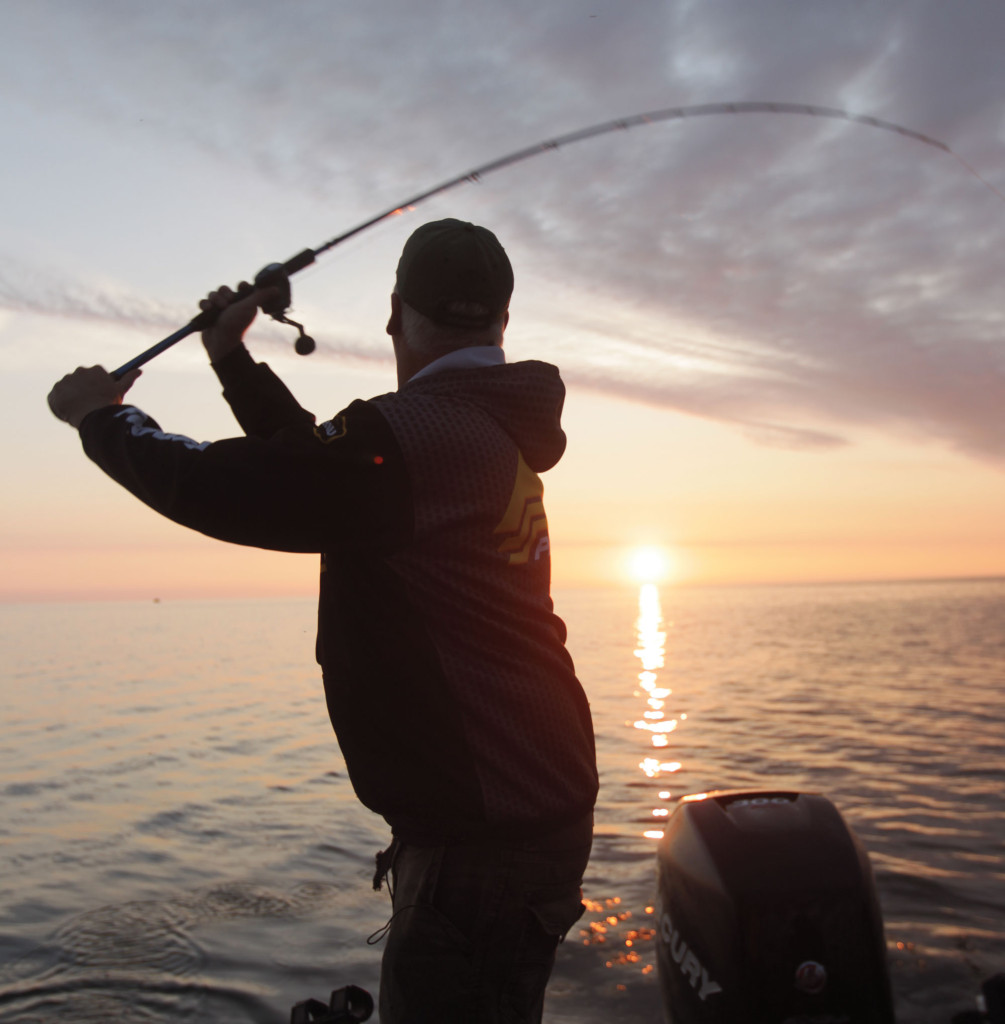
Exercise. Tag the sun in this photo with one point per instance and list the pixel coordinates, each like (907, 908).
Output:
(649, 564)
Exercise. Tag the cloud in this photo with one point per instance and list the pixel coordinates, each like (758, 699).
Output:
(798, 277)
(25, 289)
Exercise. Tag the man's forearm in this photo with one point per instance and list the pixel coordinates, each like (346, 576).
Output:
(260, 401)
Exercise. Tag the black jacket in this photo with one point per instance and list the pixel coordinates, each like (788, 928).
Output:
(447, 680)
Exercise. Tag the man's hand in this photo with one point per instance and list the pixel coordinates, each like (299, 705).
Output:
(87, 389)
(238, 310)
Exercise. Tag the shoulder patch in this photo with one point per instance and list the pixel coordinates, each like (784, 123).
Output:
(331, 430)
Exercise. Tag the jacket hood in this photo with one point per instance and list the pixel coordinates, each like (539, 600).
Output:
(524, 398)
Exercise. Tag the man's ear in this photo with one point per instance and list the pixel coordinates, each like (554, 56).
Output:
(394, 321)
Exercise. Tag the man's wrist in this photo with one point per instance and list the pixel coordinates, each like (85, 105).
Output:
(218, 351)
(81, 419)
(233, 365)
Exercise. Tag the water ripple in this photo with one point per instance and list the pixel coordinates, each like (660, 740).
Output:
(139, 961)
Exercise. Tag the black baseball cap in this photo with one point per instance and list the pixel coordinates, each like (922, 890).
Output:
(448, 263)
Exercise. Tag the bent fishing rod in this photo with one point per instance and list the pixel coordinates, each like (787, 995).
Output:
(277, 275)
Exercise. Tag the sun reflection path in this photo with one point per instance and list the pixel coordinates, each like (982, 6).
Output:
(628, 940)
(651, 652)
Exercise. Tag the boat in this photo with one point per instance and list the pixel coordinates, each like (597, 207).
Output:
(768, 914)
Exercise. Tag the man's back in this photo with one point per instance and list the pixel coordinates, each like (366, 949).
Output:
(445, 666)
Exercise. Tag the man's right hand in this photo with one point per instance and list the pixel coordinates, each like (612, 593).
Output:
(87, 389)
(238, 310)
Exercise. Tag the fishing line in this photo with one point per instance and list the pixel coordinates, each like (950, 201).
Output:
(277, 275)
(983, 181)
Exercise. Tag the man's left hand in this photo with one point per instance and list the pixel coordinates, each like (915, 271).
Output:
(87, 389)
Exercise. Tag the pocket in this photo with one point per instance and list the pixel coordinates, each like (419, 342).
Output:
(557, 915)
(554, 894)
(470, 888)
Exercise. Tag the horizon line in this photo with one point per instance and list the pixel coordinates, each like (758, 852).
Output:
(556, 588)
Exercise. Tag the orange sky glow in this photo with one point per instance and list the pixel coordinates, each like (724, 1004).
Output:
(722, 509)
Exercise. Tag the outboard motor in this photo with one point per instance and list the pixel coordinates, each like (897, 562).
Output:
(768, 914)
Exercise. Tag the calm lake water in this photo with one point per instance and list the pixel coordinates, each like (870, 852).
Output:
(180, 841)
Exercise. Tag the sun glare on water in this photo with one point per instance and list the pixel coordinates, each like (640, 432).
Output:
(649, 564)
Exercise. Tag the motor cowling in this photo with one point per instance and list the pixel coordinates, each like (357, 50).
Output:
(768, 914)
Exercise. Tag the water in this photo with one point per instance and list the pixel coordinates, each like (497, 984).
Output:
(180, 841)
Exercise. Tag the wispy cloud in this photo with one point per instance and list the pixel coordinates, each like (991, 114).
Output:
(25, 290)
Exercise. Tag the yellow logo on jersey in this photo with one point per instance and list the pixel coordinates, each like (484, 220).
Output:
(524, 525)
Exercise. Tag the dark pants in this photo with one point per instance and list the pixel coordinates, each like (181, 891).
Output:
(474, 931)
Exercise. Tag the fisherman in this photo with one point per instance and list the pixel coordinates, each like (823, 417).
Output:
(447, 679)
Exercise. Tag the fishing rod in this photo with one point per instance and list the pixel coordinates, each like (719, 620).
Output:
(277, 275)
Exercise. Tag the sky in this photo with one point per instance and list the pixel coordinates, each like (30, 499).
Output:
(782, 335)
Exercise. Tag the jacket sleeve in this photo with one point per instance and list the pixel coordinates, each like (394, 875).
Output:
(260, 401)
(301, 488)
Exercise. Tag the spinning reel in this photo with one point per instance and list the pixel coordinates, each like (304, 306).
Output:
(276, 276)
